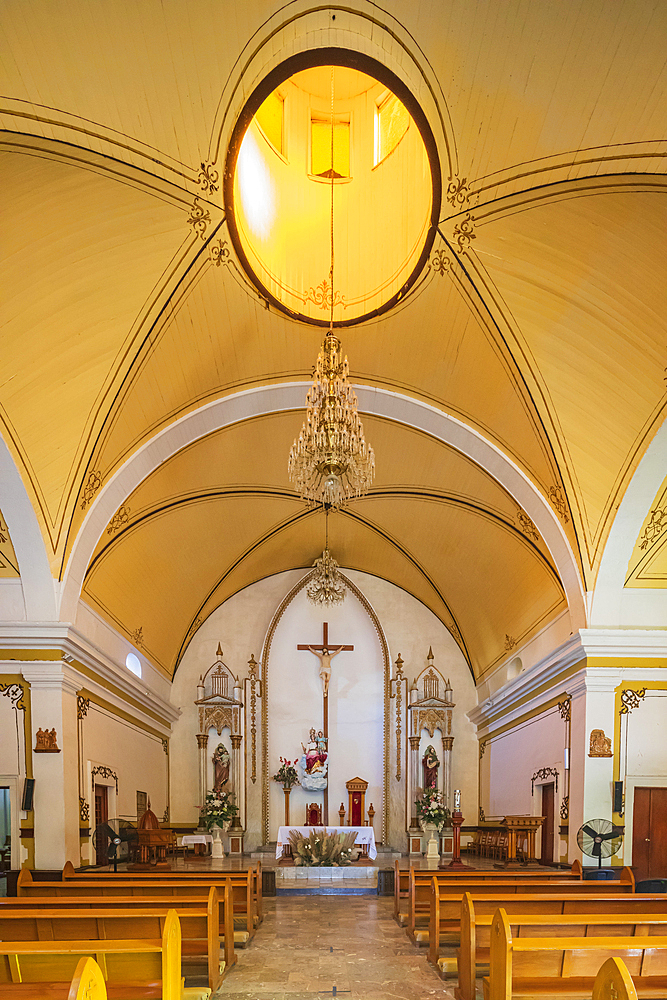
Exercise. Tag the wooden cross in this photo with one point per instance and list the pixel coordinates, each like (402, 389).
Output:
(325, 649)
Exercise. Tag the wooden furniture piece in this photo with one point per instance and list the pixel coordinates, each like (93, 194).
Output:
(242, 884)
(154, 964)
(402, 880)
(472, 957)
(152, 844)
(88, 982)
(70, 874)
(614, 980)
(356, 811)
(419, 891)
(542, 966)
(200, 929)
(519, 827)
(445, 919)
(186, 906)
(313, 814)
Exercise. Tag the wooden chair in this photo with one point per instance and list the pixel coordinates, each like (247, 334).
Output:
(313, 814)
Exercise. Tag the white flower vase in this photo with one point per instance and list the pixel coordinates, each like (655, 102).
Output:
(217, 850)
(432, 853)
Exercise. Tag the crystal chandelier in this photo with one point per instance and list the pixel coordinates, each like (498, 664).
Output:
(331, 462)
(326, 586)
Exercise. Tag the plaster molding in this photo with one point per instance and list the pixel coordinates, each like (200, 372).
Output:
(69, 641)
(631, 642)
(51, 675)
(237, 407)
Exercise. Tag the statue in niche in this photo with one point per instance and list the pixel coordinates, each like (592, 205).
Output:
(221, 760)
(430, 765)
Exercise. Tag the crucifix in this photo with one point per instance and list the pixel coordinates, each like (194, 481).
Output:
(325, 654)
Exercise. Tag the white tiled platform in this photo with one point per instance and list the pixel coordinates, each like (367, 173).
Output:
(291, 875)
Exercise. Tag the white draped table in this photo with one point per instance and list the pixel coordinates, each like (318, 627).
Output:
(190, 839)
(364, 836)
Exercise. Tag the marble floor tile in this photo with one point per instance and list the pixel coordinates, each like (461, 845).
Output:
(307, 945)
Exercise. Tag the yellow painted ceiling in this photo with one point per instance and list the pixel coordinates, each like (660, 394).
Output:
(9, 567)
(539, 321)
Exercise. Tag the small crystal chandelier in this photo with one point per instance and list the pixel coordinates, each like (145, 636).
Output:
(331, 462)
(326, 586)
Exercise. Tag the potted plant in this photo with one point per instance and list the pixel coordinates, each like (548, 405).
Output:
(218, 808)
(288, 778)
(433, 814)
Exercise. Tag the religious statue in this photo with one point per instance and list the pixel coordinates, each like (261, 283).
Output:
(314, 762)
(46, 741)
(325, 657)
(221, 761)
(430, 765)
(600, 745)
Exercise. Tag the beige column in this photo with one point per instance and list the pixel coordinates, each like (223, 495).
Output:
(414, 781)
(53, 688)
(447, 744)
(202, 744)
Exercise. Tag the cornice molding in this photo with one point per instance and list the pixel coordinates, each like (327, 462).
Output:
(71, 643)
(639, 642)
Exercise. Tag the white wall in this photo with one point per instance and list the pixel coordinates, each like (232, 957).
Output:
(643, 755)
(512, 758)
(137, 757)
(241, 624)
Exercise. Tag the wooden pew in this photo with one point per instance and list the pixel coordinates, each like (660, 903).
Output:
(476, 932)
(70, 874)
(200, 936)
(241, 884)
(402, 881)
(419, 892)
(445, 916)
(544, 966)
(614, 980)
(88, 982)
(184, 904)
(148, 969)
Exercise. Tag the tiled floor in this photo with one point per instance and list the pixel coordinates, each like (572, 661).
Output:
(307, 945)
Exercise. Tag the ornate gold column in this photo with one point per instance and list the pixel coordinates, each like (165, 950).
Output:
(238, 784)
(202, 744)
(414, 780)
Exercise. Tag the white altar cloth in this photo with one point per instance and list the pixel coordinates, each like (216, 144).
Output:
(196, 838)
(364, 834)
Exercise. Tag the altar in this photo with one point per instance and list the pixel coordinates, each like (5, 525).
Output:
(364, 836)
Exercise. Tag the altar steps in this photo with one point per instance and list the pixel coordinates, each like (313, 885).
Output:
(350, 880)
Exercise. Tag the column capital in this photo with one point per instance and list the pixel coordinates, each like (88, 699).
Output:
(236, 742)
(447, 743)
(414, 742)
(54, 675)
(202, 741)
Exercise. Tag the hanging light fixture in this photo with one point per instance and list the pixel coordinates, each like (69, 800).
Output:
(331, 463)
(326, 586)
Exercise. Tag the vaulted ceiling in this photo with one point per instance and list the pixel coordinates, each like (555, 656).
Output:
(539, 320)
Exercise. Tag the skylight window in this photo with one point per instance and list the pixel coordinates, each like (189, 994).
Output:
(271, 118)
(320, 149)
(133, 663)
(391, 124)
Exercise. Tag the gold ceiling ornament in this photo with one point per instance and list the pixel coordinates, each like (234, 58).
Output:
(331, 462)
(326, 586)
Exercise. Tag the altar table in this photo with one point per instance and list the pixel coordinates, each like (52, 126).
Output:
(196, 839)
(364, 835)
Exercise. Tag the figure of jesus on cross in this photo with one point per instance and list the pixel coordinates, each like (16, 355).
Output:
(325, 654)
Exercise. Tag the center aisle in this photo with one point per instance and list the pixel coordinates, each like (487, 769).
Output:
(310, 944)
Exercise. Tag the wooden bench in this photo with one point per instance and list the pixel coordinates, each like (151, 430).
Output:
(402, 881)
(241, 885)
(614, 980)
(88, 982)
(200, 936)
(445, 917)
(146, 969)
(70, 874)
(184, 905)
(567, 966)
(473, 954)
(419, 891)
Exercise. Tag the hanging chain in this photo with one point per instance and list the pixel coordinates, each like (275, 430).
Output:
(331, 269)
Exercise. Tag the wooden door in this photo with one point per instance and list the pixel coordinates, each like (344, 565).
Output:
(101, 816)
(548, 825)
(649, 833)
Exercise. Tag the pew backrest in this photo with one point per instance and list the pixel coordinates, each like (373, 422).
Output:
(614, 980)
(88, 982)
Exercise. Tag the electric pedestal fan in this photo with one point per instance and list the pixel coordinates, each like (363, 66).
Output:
(598, 838)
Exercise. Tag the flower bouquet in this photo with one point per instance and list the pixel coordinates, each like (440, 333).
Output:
(287, 773)
(328, 850)
(432, 809)
(218, 808)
